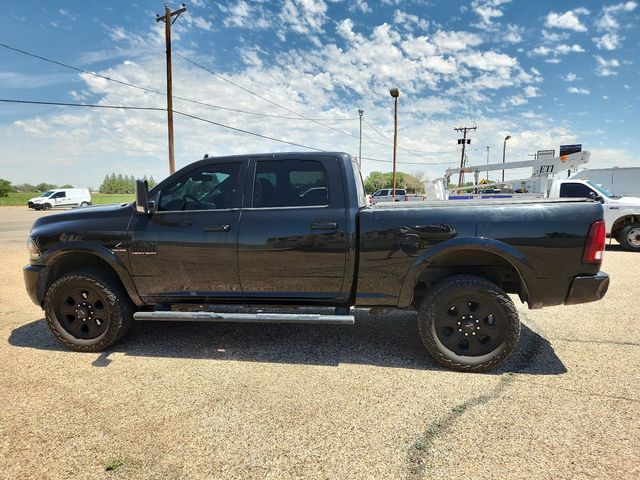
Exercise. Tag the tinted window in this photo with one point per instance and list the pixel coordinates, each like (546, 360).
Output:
(290, 183)
(206, 188)
(574, 190)
(59, 195)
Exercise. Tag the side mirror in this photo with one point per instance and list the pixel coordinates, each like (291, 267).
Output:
(142, 196)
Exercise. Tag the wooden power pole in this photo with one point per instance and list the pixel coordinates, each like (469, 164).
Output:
(464, 141)
(166, 18)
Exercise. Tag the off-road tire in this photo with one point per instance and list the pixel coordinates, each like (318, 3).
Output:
(480, 289)
(623, 237)
(118, 308)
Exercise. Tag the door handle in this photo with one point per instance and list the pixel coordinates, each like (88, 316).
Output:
(324, 225)
(217, 228)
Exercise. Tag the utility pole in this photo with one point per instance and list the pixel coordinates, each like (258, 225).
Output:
(464, 141)
(394, 93)
(360, 112)
(504, 151)
(166, 18)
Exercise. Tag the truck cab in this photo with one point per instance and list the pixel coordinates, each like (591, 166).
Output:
(621, 214)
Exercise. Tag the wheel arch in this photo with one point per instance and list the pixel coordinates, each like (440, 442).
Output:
(622, 221)
(72, 258)
(483, 257)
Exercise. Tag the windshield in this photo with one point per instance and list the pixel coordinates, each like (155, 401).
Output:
(47, 194)
(600, 189)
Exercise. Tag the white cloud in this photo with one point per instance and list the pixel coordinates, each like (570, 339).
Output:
(488, 60)
(606, 67)
(244, 15)
(578, 90)
(359, 5)
(513, 34)
(608, 41)
(570, 77)
(608, 23)
(531, 91)
(410, 21)
(568, 20)
(562, 49)
(487, 10)
(304, 16)
(453, 41)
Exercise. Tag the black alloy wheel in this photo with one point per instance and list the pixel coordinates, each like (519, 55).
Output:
(468, 323)
(88, 310)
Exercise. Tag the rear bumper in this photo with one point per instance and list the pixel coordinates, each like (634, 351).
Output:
(32, 274)
(588, 288)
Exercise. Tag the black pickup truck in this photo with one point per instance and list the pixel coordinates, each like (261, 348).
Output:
(292, 232)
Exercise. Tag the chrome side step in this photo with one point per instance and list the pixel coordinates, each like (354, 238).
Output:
(310, 318)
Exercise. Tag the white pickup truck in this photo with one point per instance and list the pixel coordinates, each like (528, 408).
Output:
(621, 214)
(61, 197)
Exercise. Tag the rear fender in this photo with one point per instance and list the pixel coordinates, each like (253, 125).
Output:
(512, 255)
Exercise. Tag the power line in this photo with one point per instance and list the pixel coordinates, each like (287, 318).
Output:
(158, 92)
(221, 77)
(87, 105)
(195, 117)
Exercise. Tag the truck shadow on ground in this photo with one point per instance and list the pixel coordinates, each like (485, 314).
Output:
(386, 341)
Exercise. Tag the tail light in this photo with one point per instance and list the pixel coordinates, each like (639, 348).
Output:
(594, 248)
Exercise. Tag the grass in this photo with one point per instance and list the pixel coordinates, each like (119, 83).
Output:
(113, 465)
(21, 198)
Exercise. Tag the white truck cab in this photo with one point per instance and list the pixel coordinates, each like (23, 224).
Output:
(61, 197)
(621, 214)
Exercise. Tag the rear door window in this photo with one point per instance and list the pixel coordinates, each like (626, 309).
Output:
(290, 183)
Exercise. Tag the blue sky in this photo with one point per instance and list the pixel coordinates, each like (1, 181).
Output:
(544, 72)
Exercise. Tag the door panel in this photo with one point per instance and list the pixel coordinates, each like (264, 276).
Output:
(292, 241)
(187, 249)
(186, 254)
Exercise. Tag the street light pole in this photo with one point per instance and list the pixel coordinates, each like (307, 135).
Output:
(487, 175)
(394, 93)
(504, 149)
(360, 112)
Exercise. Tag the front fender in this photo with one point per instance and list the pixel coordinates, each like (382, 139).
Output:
(62, 252)
(512, 255)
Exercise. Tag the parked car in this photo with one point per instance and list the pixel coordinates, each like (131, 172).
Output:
(294, 230)
(61, 197)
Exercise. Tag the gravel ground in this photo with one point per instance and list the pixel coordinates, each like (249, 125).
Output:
(258, 401)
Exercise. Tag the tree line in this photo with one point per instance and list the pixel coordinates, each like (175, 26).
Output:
(412, 183)
(6, 187)
(122, 183)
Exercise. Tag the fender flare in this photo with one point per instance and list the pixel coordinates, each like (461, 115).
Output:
(512, 255)
(57, 254)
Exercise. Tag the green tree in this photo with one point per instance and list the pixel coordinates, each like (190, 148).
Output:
(377, 180)
(5, 187)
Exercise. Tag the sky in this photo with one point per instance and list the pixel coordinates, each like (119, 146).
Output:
(546, 73)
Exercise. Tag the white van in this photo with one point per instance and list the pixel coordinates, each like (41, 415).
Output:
(61, 197)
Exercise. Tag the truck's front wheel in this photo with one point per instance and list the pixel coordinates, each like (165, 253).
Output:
(468, 323)
(629, 237)
(88, 310)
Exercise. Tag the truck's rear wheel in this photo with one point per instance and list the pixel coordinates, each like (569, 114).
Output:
(468, 323)
(88, 310)
(629, 237)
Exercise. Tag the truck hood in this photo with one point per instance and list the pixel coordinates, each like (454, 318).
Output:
(625, 201)
(85, 213)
